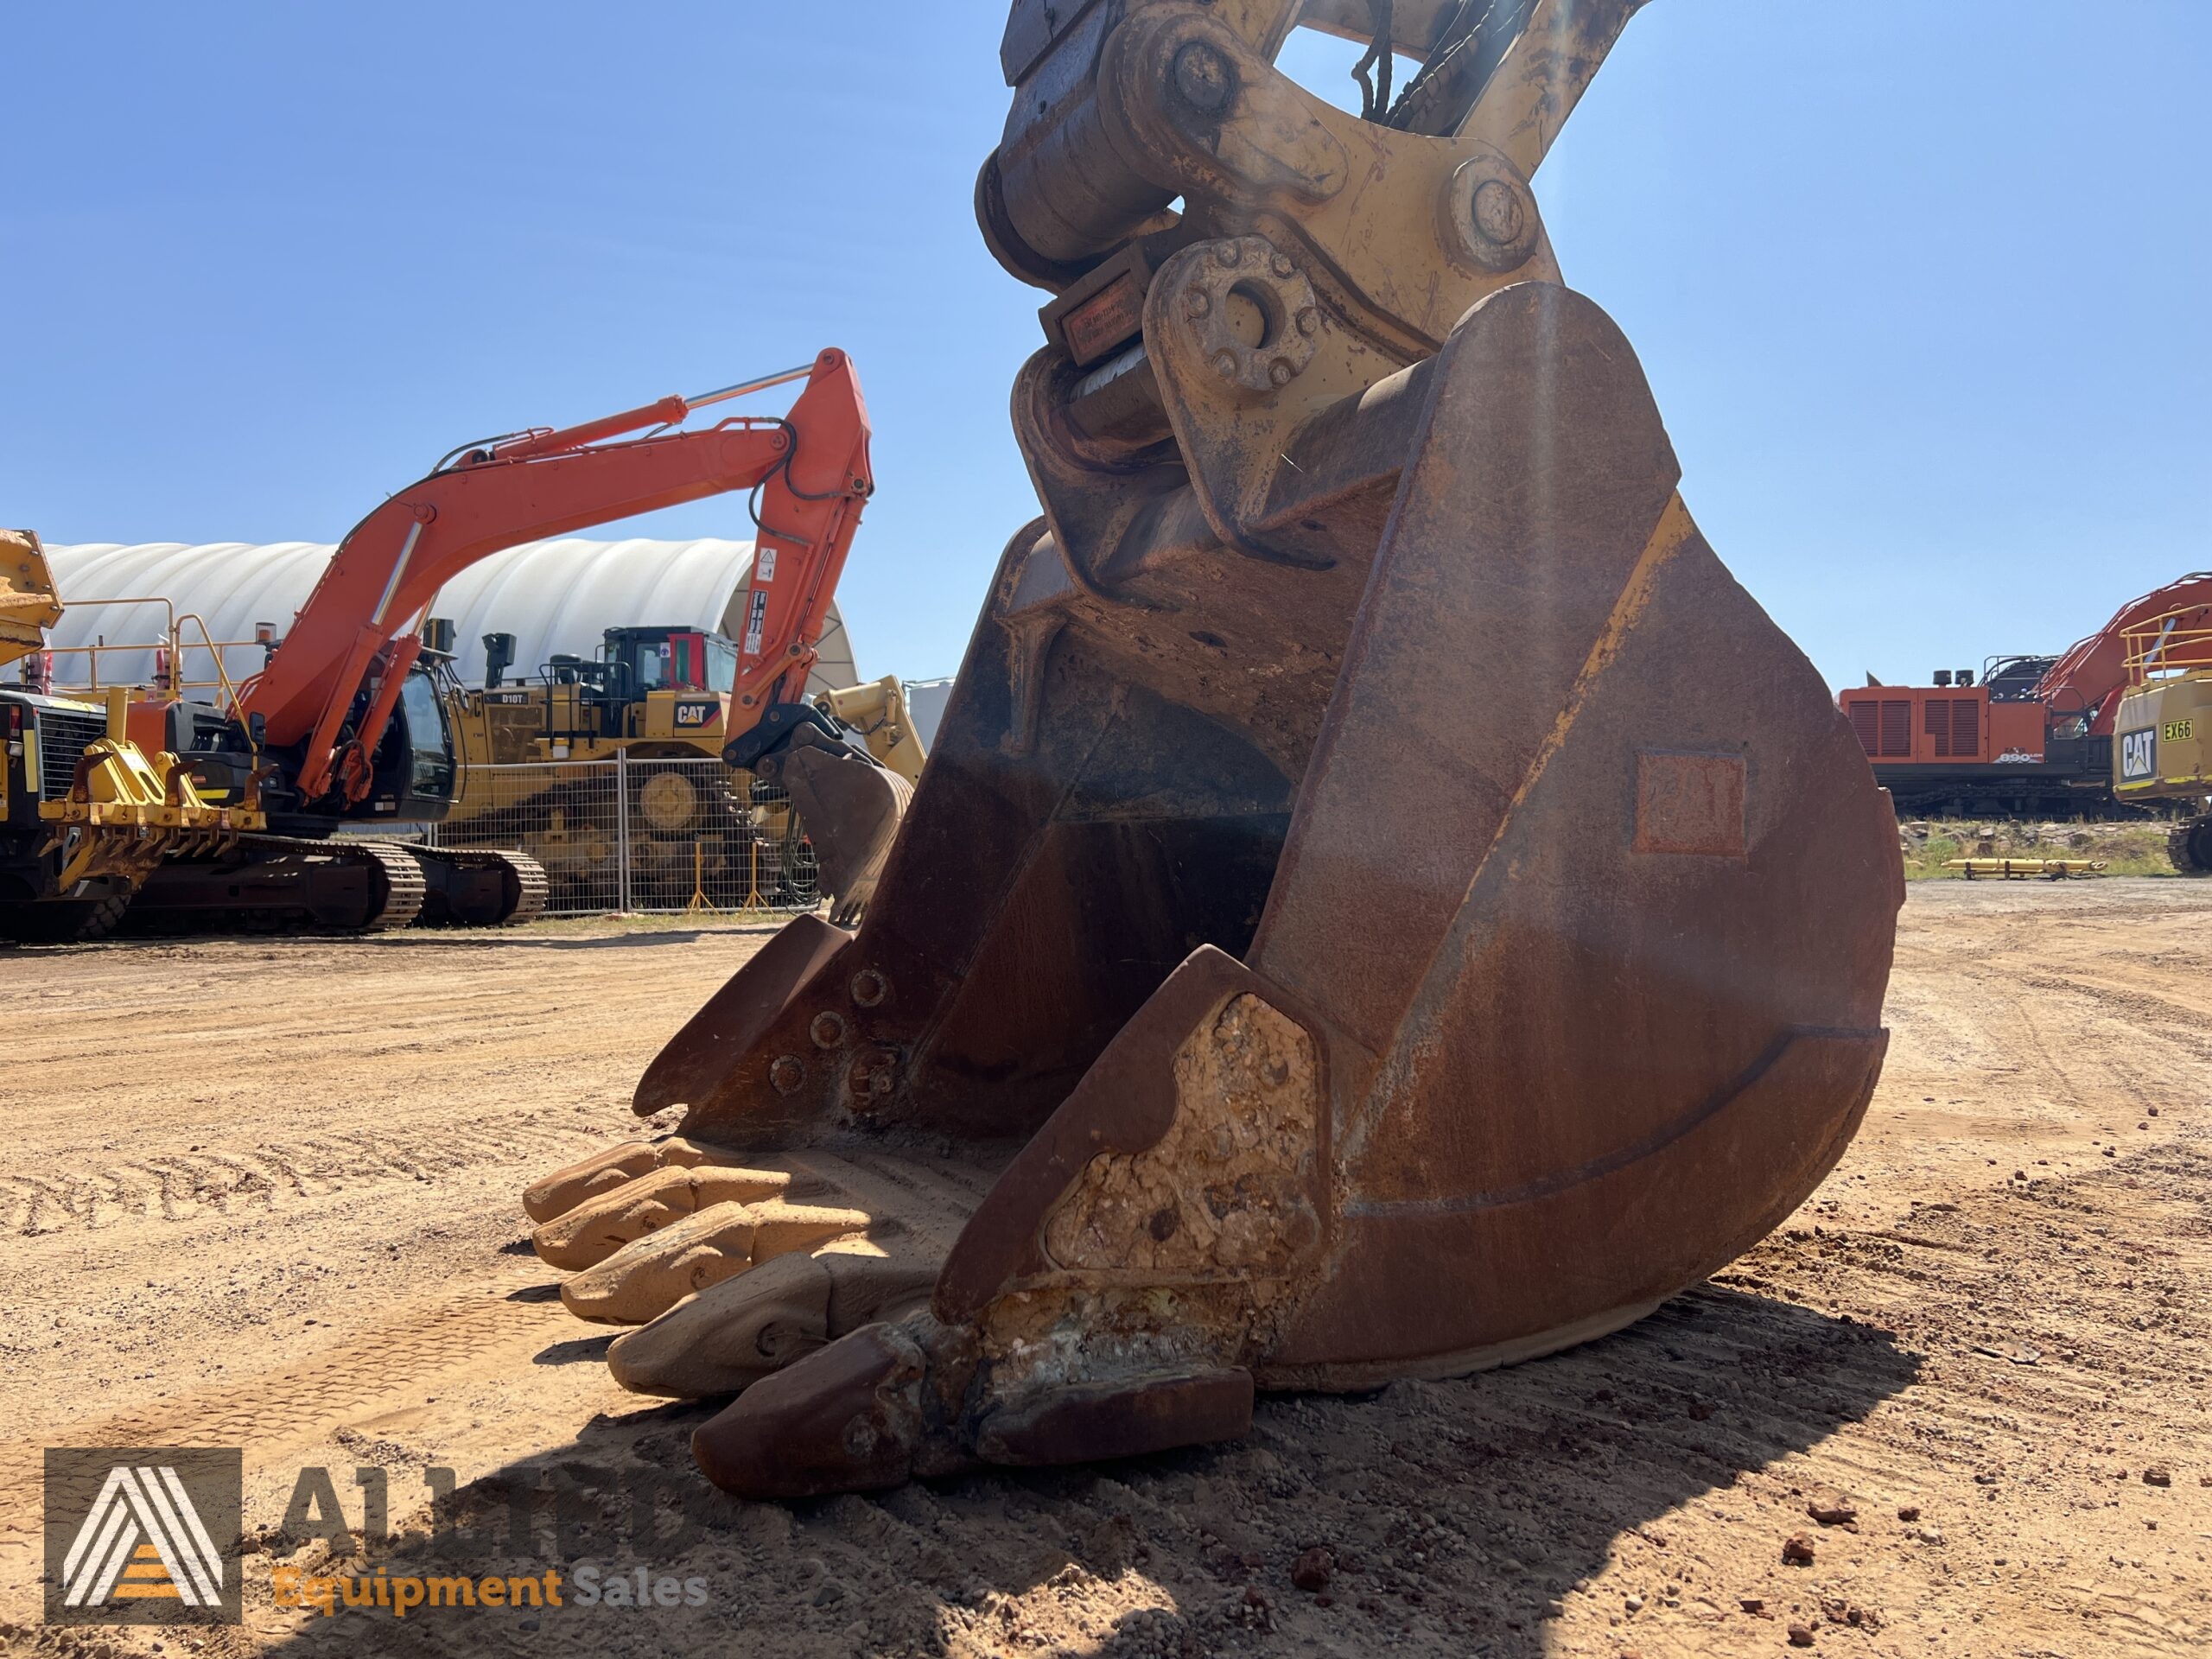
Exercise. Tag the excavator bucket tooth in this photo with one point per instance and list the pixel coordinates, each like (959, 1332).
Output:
(651, 1274)
(599, 1227)
(1391, 964)
(738, 1329)
(733, 1268)
(601, 1172)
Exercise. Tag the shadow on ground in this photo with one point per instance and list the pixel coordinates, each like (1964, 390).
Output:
(524, 938)
(1453, 1515)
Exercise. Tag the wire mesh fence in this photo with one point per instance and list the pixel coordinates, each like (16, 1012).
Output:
(633, 835)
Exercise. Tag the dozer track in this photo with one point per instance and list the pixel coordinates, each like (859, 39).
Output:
(1382, 901)
(578, 860)
(278, 882)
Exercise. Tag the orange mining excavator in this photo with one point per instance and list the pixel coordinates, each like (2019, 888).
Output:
(344, 724)
(2034, 738)
(1382, 902)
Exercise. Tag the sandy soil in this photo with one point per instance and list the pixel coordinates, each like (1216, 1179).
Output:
(264, 1194)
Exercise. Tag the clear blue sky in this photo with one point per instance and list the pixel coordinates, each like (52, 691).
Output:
(1921, 287)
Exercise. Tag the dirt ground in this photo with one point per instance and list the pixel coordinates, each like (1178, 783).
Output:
(264, 1194)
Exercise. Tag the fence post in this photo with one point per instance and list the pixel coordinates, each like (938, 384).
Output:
(622, 829)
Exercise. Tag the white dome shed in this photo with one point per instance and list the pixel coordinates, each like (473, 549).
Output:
(556, 597)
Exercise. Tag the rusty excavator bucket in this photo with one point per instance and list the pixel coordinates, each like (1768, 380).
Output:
(1383, 902)
(851, 807)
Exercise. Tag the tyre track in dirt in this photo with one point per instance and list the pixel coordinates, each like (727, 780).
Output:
(262, 1193)
(1997, 1312)
(181, 1186)
(302, 1406)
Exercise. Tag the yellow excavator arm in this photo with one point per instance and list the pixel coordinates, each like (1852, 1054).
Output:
(878, 713)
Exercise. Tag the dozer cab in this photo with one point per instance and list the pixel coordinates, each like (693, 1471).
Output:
(1382, 902)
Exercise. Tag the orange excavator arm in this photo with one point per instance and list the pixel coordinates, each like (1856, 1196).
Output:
(359, 632)
(2089, 678)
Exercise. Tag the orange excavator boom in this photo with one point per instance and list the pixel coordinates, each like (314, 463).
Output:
(2090, 678)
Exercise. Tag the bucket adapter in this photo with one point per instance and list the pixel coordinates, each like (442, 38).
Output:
(1383, 901)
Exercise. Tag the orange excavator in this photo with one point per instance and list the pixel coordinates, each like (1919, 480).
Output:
(344, 723)
(2035, 736)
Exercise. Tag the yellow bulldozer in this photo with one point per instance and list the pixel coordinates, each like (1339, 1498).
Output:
(534, 774)
(1383, 901)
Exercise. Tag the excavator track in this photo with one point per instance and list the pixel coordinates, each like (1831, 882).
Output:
(2189, 845)
(581, 863)
(477, 886)
(64, 921)
(285, 883)
(404, 887)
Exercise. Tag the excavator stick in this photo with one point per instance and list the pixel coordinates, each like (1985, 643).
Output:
(1382, 902)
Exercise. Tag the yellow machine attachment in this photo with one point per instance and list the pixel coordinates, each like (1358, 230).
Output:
(877, 713)
(95, 816)
(2022, 869)
(1383, 901)
(123, 812)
